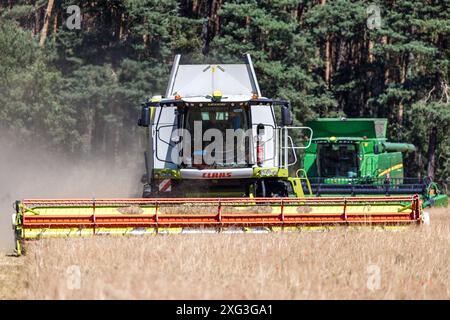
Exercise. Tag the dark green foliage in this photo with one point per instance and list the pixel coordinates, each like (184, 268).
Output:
(31, 105)
(283, 53)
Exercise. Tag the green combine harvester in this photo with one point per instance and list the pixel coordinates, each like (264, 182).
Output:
(353, 157)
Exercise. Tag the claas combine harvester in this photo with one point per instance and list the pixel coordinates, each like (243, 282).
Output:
(219, 158)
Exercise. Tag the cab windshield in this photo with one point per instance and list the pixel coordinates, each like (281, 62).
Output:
(337, 160)
(221, 118)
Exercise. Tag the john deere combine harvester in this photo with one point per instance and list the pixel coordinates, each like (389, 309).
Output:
(353, 157)
(217, 160)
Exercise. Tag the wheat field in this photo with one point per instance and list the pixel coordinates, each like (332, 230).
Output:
(411, 263)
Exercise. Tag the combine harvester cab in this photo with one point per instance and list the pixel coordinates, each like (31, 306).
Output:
(214, 135)
(197, 182)
(352, 157)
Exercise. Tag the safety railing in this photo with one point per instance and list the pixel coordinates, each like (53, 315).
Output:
(359, 186)
(286, 144)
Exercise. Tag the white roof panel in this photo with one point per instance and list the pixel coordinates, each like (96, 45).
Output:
(203, 79)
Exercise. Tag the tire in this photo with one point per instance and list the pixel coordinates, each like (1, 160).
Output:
(147, 192)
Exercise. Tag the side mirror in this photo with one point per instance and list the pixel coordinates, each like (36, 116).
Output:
(286, 116)
(260, 129)
(144, 121)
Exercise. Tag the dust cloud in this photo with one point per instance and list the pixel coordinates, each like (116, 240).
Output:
(30, 171)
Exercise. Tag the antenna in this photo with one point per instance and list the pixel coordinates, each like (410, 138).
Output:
(173, 73)
(249, 63)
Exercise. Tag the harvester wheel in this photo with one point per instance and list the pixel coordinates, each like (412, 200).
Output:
(276, 189)
(271, 188)
(147, 192)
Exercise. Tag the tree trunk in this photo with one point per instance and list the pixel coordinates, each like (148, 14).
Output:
(299, 13)
(89, 133)
(195, 6)
(146, 40)
(327, 61)
(403, 71)
(385, 40)
(122, 27)
(432, 142)
(419, 164)
(55, 25)
(211, 25)
(370, 51)
(327, 54)
(37, 20)
(48, 15)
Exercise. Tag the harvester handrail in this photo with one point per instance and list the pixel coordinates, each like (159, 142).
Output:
(130, 201)
(231, 199)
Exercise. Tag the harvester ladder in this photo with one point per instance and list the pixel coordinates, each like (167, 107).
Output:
(304, 176)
